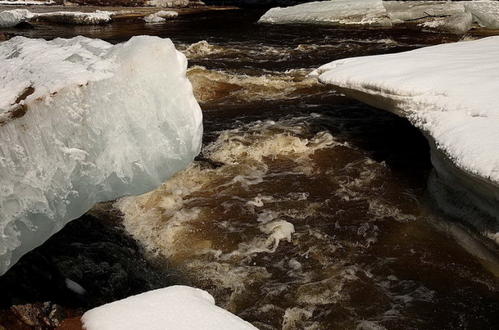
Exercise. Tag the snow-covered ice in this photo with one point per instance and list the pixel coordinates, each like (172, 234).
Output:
(10, 18)
(26, 2)
(444, 16)
(356, 12)
(486, 13)
(449, 91)
(175, 308)
(430, 15)
(160, 16)
(83, 121)
(76, 17)
(167, 3)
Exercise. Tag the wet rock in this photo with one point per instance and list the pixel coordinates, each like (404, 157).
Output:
(33, 316)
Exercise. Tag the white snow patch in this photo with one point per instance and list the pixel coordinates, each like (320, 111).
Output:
(167, 3)
(449, 91)
(26, 2)
(10, 18)
(83, 121)
(76, 17)
(160, 16)
(175, 307)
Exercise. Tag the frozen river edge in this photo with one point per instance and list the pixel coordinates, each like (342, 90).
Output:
(436, 89)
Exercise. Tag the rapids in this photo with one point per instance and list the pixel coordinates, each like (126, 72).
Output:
(305, 210)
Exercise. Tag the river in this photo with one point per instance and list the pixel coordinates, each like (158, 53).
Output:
(305, 210)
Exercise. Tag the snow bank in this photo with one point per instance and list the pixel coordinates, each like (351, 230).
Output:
(445, 16)
(160, 16)
(10, 18)
(356, 12)
(176, 308)
(448, 91)
(83, 121)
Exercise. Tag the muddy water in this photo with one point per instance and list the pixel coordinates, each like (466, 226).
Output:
(305, 210)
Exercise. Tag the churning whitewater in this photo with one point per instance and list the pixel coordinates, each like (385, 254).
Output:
(304, 209)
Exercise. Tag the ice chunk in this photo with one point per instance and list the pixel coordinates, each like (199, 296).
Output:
(444, 16)
(26, 2)
(175, 307)
(83, 121)
(486, 13)
(76, 17)
(10, 18)
(355, 12)
(160, 16)
(404, 11)
(441, 16)
(167, 3)
(448, 91)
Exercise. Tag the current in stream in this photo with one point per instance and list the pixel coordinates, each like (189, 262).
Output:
(305, 210)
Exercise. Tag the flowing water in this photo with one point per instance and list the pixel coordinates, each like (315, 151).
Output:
(305, 210)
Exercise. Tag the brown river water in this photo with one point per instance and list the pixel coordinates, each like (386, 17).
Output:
(305, 210)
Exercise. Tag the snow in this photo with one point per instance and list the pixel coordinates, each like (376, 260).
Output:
(75, 17)
(357, 12)
(10, 18)
(448, 91)
(160, 16)
(444, 16)
(26, 2)
(167, 3)
(83, 121)
(171, 308)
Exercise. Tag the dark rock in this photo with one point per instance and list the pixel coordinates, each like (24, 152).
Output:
(24, 26)
(90, 262)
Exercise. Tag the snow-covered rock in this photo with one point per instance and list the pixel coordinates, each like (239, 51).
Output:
(351, 12)
(450, 92)
(160, 16)
(83, 121)
(10, 18)
(444, 16)
(175, 307)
